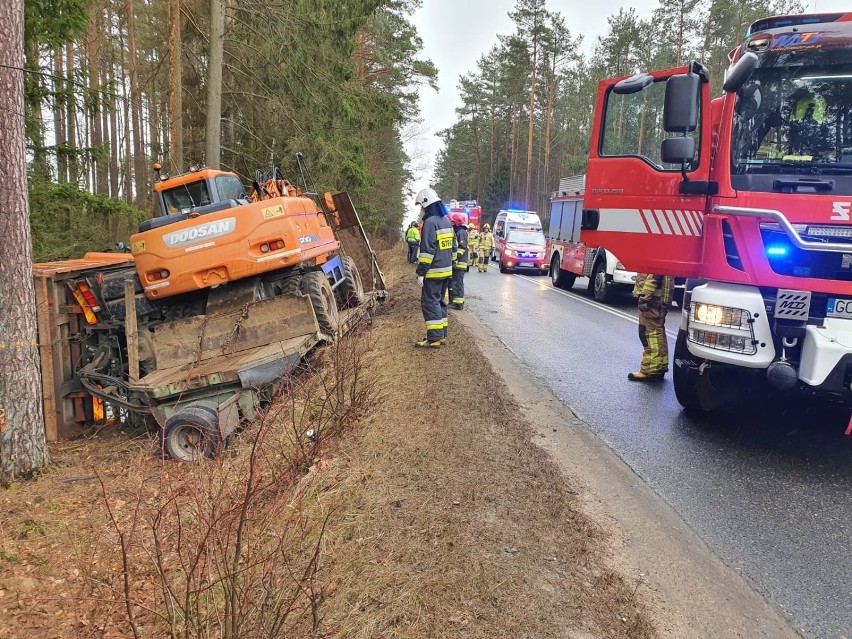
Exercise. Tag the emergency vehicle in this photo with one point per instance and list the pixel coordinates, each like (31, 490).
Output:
(569, 257)
(470, 208)
(751, 192)
(524, 249)
(512, 220)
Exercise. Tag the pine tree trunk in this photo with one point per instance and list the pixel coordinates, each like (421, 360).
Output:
(99, 179)
(214, 84)
(41, 168)
(59, 117)
(114, 146)
(527, 201)
(71, 115)
(140, 171)
(127, 162)
(175, 87)
(551, 97)
(23, 448)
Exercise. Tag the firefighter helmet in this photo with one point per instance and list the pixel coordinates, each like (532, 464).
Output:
(427, 197)
(486, 227)
(810, 107)
(457, 218)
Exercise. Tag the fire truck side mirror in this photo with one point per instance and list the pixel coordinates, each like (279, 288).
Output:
(678, 150)
(738, 74)
(680, 113)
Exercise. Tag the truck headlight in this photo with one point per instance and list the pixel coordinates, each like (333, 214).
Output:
(619, 266)
(722, 328)
(713, 315)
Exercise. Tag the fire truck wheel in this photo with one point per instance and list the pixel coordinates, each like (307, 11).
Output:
(600, 288)
(695, 392)
(350, 293)
(315, 285)
(560, 278)
(191, 434)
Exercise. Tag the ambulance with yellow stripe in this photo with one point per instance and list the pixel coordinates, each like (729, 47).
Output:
(749, 195)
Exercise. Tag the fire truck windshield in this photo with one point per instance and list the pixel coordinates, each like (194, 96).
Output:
(794, 117)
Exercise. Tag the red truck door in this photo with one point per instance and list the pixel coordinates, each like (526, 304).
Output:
(648, 212)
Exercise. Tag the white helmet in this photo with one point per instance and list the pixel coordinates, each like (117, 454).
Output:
(427, 197)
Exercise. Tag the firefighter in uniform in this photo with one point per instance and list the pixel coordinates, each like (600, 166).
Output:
(485, 244)
(654, 293)
(412, 236)
(460, 265)
(472, 247)
(434, 267)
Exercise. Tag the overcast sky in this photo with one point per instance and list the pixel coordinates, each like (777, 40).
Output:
(457, 32)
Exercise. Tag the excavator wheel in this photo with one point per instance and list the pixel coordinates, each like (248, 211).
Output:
(315, 285)
(350, 292)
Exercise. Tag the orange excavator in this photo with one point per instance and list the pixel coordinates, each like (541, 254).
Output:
(222, 295)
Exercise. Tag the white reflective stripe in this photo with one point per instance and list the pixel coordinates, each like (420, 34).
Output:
(661, 219)
(154, 287)
(435, 323)
(274, 256)
(189, 249)
(650, 221)
(672, 220)
(621, 220)
(443, 269)
(693, 230)
(699, 220)
(428, 256)
(441, 232)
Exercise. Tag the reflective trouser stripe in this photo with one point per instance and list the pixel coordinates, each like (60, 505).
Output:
(457, 286)
(652, 334)
(434, 308)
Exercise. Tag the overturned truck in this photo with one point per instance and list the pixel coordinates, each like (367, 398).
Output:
(221, 297)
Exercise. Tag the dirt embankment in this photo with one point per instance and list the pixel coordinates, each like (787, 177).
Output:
(432, 514)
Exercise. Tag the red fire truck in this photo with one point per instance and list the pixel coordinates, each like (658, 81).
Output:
(469, 208)
(748, 194)
(570, 257)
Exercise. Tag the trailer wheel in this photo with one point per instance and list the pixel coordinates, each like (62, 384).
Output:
(560, 278)
(315, 285)
(191, 434)
(599, 287)
(695, 392)
(350, 292)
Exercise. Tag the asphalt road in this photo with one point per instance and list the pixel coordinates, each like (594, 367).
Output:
(766, 483)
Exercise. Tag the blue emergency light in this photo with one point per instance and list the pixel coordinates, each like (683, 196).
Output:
(777, 251)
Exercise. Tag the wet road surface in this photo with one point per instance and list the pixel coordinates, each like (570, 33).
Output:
(766, 483)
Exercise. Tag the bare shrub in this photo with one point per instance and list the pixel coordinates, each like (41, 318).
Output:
(225, 548)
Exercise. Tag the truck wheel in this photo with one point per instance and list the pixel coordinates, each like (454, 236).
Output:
(599, 287)
(560, 278)
(695, 392)
(350, 292)
(191, 434)
(315, 285)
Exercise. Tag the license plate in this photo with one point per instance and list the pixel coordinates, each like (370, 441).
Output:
(839, 308)
(526, 265)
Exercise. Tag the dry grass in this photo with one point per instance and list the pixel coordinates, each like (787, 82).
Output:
(441, 518)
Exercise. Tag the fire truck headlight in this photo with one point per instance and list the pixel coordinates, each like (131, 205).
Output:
(713, 315)
(619, 266)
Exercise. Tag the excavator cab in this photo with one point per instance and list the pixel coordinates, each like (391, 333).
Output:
(195, 189)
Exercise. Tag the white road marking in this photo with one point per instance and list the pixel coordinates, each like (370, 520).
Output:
(598, 305)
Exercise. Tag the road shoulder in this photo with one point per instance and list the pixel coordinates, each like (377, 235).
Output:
(692, 592)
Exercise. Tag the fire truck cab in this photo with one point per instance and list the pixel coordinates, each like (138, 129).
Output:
(750, 195)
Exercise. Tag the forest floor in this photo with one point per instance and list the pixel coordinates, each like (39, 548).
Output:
(432, 511)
